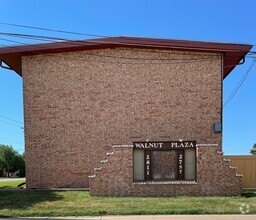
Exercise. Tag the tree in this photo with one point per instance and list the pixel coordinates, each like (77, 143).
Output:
(10, 160)
(253, 150)
(21, 165)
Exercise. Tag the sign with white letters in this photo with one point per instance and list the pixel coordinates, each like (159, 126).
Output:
(164, 145)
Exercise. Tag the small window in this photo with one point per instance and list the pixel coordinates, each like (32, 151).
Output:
(190, 164)
(164, 163)
(138, 164)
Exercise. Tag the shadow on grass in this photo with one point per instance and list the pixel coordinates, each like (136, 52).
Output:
(25, 199)
(11, 184)
(249, 194)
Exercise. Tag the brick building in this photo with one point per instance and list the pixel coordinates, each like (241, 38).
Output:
(126, 116)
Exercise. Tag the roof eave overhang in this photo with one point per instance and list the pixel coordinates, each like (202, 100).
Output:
(232, 53)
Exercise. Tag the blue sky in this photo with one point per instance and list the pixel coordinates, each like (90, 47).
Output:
(212, 20)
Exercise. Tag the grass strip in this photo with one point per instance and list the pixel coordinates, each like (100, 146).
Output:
(8, 184)
(79, 203)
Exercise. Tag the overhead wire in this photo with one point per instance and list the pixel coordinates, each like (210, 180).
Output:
(32, 36)
(51, 30)
(6, 122)
(10, 119)
(239, 84)
(131, 58)
(25, 44)
(80, 43)
(46, 29)
(55, 30)
(117, 57)
(104, 41)
(64, 31)
(123, 57)
(12, 41)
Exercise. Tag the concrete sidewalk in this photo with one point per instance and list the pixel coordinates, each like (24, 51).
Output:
(6, 179)
(152, 217)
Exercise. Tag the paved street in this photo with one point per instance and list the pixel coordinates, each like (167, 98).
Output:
(3, 179)
(153, 217)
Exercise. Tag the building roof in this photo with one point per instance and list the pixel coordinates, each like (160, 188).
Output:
(232, 53)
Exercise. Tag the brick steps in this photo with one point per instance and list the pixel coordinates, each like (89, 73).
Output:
(103, 163)
(225, 164)
(231, 167)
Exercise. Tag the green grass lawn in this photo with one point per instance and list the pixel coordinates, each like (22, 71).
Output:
(80, 203)
(10, 183)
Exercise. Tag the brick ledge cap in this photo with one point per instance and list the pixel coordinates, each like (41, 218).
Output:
(166, 183)
(122, 145)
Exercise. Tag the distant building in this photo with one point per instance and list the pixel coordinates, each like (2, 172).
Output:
(139, 116)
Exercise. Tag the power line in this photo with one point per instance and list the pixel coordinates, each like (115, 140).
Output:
(51, 30)
(4, 45)
(104, 41)
(63, 31)
(193, 60)
(12, 41)
(10, 124)
(32, 36)
(18, 42)
(82, 43)
(55, 30)
(122, 57)
(11, 119)
(118, 57)
(134, 58)
(240, 83)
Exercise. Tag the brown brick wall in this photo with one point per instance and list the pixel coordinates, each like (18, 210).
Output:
(77, 103)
